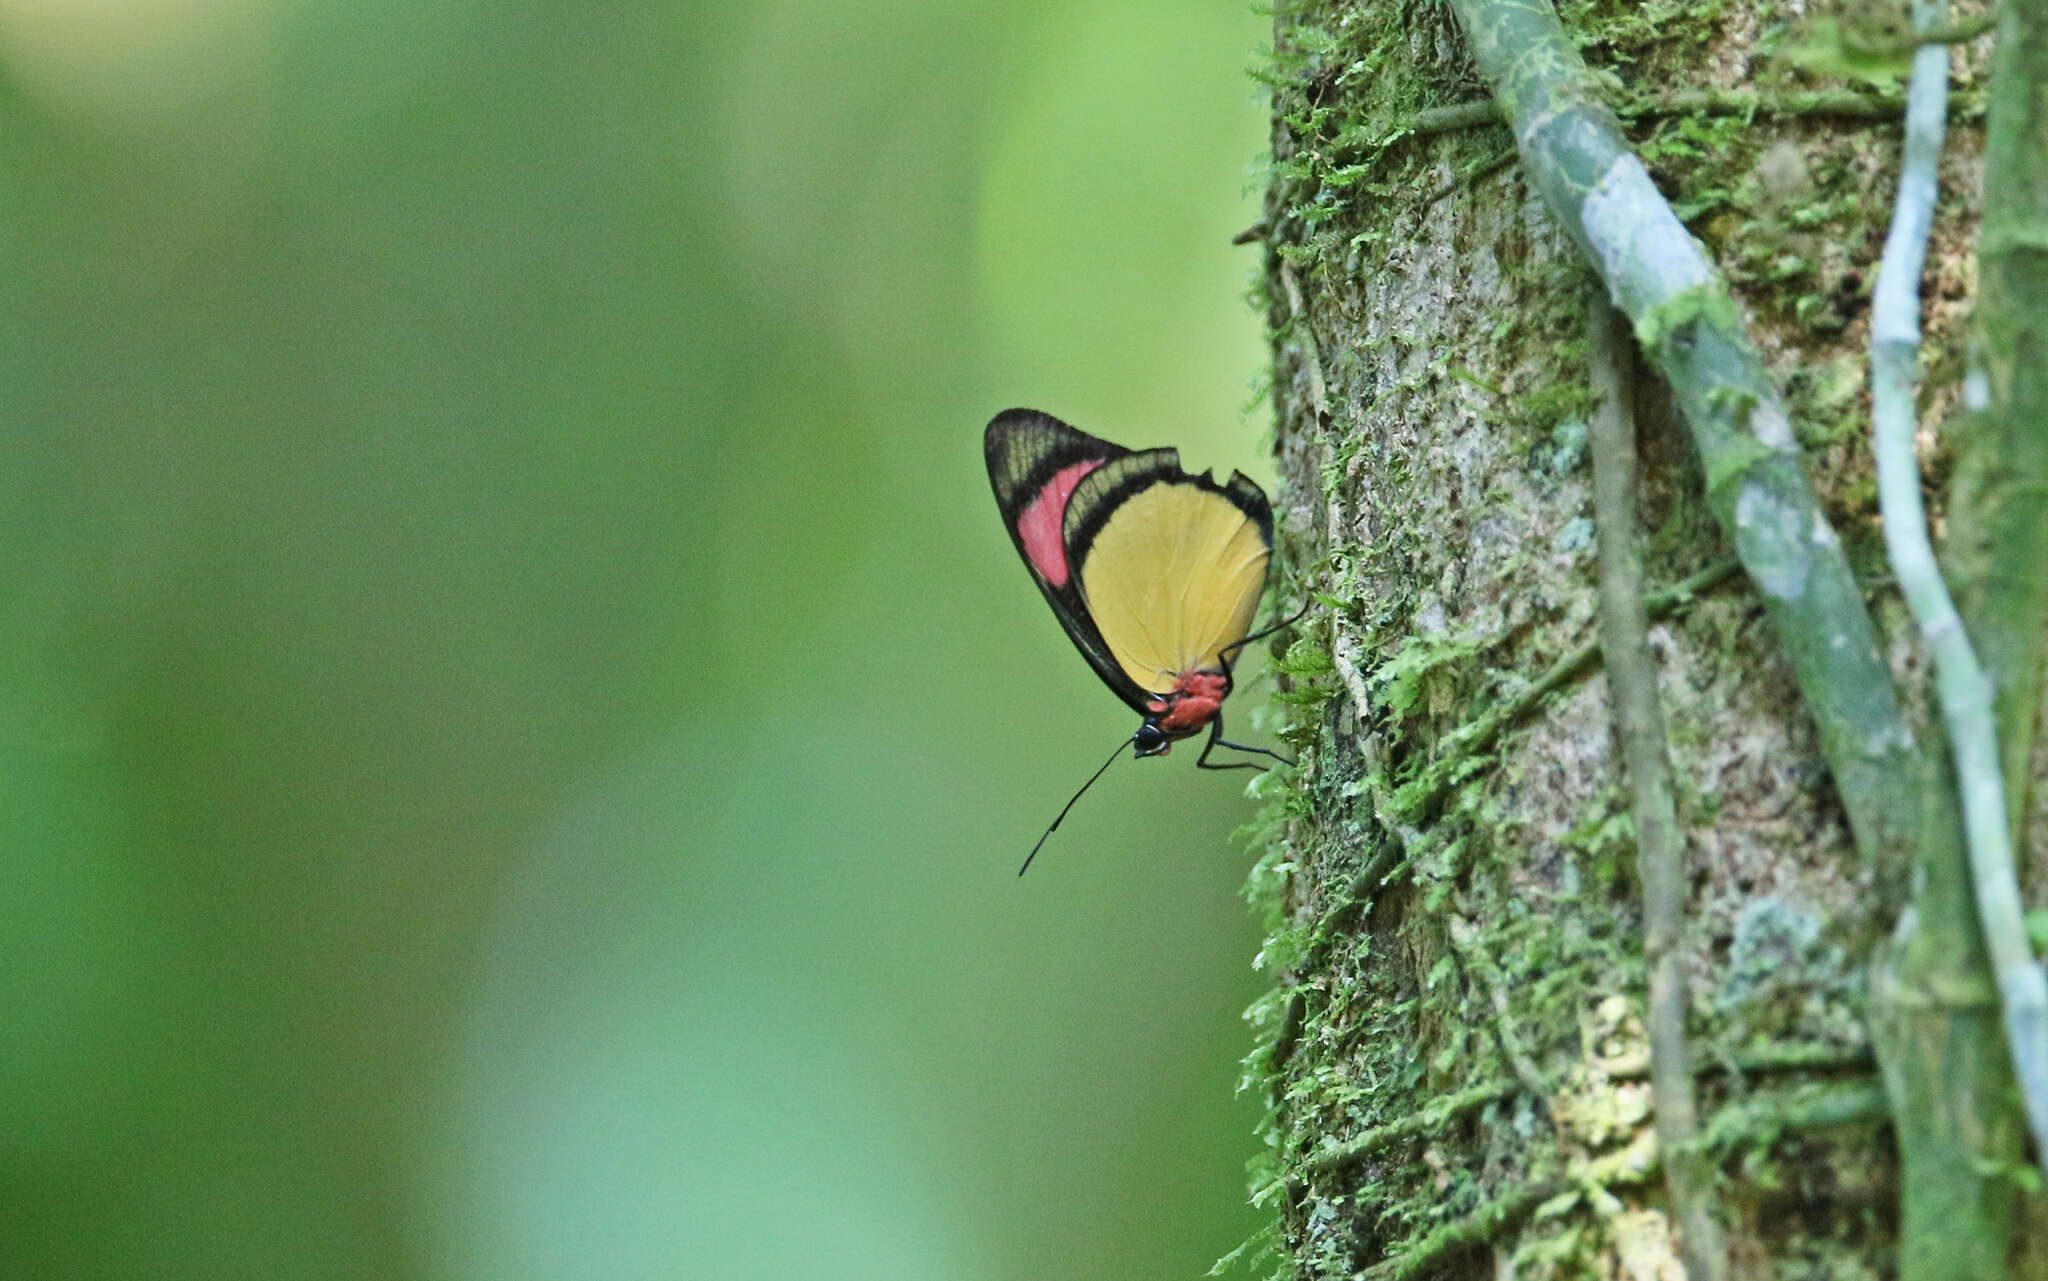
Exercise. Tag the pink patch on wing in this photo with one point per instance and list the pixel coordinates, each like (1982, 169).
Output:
(1040, 525)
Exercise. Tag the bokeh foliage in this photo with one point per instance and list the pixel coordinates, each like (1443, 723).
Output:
(517, 717)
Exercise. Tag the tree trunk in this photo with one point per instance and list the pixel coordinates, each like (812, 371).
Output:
(1457, 1048)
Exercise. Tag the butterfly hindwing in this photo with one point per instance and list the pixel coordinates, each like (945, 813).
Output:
(1171, 566)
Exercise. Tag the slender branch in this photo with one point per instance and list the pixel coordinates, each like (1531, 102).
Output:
(1750, 1121)
(1414, 798)
(1767, 1059)
(1688, 324)
(1965, 692)
(1456, 116)
(1793, 1057)
(1429, 1120)
(1765, 1117)
(1660, 845)
(1482, 1225)
(1839, 104)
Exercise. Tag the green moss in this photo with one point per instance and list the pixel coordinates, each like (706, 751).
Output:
(1420, 675)
(1672, 320)
(1360, 861)
(1348, 84)
(1545, 408)
(1654, 32)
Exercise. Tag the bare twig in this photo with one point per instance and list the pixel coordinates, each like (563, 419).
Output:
(1660, 845)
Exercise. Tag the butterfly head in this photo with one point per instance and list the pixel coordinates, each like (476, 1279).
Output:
(1150, 740)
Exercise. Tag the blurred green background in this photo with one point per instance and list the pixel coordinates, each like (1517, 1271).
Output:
(518, 717)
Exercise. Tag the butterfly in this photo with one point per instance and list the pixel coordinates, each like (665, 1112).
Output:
(1155, 573)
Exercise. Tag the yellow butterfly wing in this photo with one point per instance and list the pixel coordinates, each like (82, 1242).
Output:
(1171, 566)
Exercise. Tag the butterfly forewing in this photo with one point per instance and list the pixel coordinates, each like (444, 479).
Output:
(1026, 449)
(1035, 462)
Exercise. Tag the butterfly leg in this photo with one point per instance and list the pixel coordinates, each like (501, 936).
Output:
(1217, 740)
(1230, 651)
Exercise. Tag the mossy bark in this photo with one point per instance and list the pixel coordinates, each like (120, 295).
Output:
(1998, 555)
(1456, 918)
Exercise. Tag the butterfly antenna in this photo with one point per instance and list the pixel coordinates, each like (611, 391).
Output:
(1262, 634)
(1070, 805)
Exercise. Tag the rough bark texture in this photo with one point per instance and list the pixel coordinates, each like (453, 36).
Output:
(1998, 552)
(1455, 1047)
